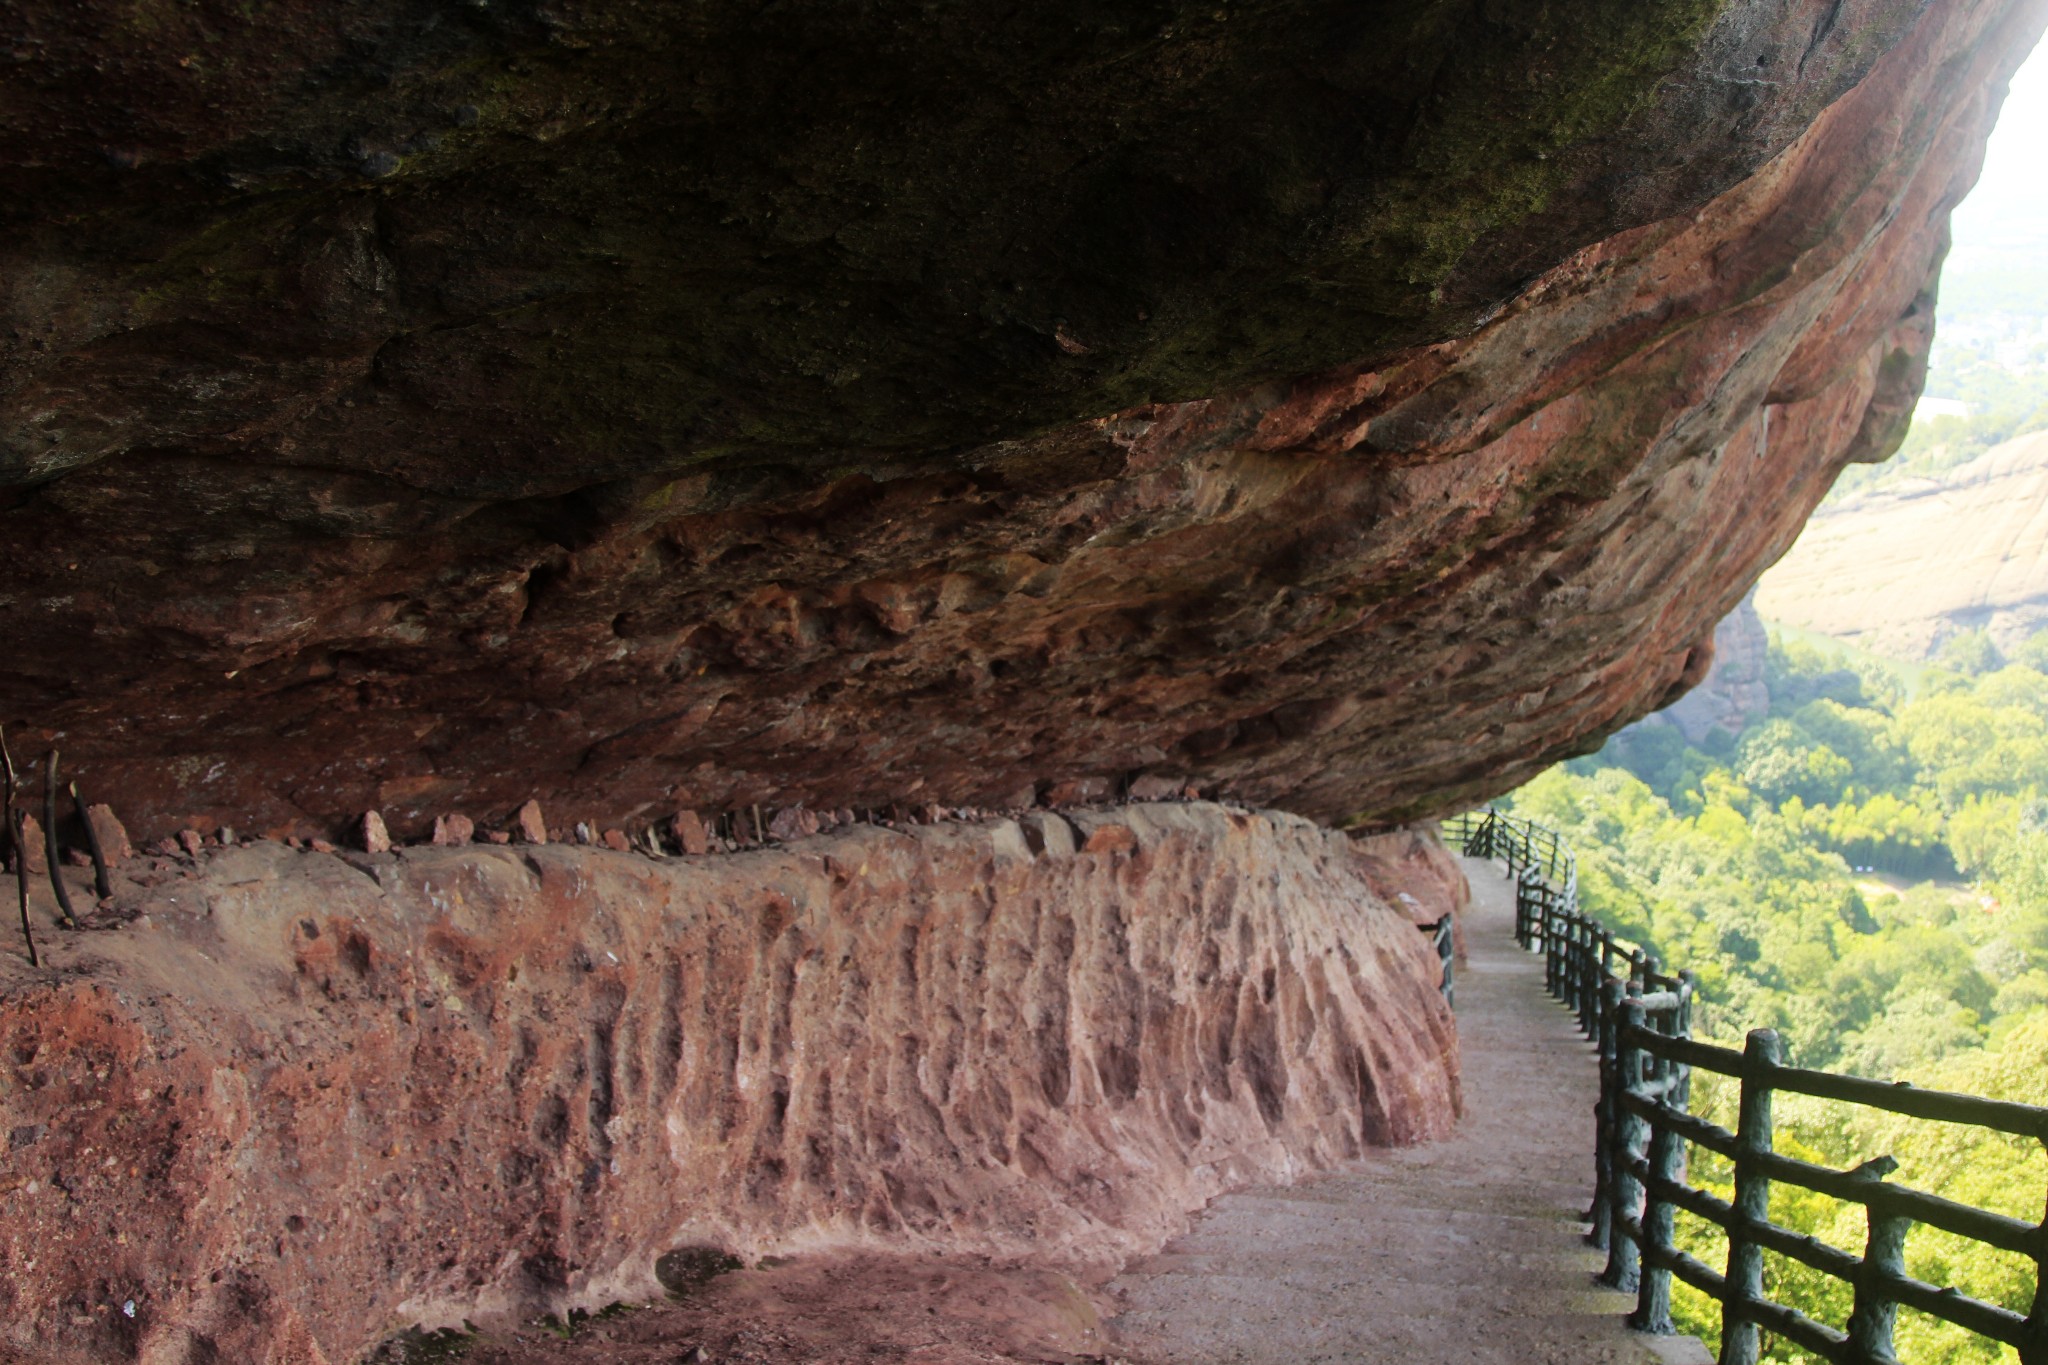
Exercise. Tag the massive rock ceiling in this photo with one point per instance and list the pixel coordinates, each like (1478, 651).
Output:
(1349, 407)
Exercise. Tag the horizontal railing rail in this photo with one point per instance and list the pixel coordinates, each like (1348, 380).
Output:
(1641, 1018)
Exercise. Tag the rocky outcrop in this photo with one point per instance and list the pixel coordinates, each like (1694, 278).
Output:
(1902, 569)
(1733, 695)
(281, 1103)
(1349, 409)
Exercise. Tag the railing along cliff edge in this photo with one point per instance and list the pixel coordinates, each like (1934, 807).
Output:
(1641, 1019)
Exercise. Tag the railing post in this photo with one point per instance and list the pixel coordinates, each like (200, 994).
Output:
(1549, 944)
(1589, 976)
(1624, 1190)
(1884, 1255)
(1567, 941)
(1574, 930)
(1446, 952)
(1667, 1162)
(1761, 1053)
(1601, 1216)
(1681, 1027)
(2035, 1352)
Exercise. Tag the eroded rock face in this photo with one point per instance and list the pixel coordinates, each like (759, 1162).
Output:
(1346, 409)
(307, 1100)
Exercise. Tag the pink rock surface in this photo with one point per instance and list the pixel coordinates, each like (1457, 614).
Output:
(306, 1100)
(32, 851)
(454, 830)
(113, 835)
(689, 833)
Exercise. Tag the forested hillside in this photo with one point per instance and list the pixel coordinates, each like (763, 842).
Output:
(1867, 871)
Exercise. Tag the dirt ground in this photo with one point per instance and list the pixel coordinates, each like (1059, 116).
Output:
(825, 1310)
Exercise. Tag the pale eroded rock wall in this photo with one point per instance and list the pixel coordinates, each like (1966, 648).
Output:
(305, 1099)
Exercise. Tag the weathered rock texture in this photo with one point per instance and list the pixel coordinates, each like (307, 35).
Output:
(1903, 569)
(1351, 408)
(1733, 695)
(304, 1100)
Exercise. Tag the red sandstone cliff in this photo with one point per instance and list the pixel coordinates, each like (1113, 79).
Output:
(304, 1101)
(1338, 415)
(1348, 408)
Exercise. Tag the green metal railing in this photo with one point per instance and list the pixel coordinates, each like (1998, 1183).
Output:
(1641, 1019)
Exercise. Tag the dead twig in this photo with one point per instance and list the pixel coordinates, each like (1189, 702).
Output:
(7, 804)
(65, 915)
(102, 885)
(16, 820)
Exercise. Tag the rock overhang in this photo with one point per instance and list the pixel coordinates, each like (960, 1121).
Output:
(1346, 409)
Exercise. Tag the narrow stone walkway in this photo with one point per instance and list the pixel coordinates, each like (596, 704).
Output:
(1468, 1250)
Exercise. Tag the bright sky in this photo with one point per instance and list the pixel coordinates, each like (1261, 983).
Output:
(2008, 211)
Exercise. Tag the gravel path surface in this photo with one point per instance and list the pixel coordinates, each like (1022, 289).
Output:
(1465, 1251)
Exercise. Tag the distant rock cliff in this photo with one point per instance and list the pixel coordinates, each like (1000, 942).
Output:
(1733, 695)
(1345, 408)
(1901, 570)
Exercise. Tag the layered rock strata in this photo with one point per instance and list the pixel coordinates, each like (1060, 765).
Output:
(1344, 408)
(284, 1102)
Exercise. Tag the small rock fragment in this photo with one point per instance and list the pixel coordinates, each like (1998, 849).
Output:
(191, 841)
(1006, 837)
(617, 842)
(1156, 787)
(113, 835)
(31, 850)
(1048, 835)
(1111, 839)
(376, 839)
(1082, 791)
(1024, 798)
(77, 857)
(792, 822)
(583, 834)
(227, 836)
(532, 829)
(320, 846)
(690, 833)
(453, 829)
(499, 836)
